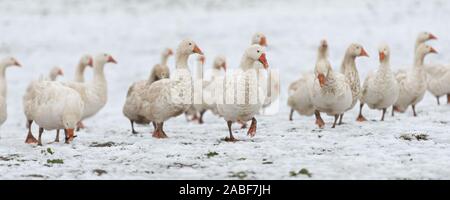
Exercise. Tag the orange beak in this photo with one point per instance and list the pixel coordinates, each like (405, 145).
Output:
(263, 41)
(170, 52)
(197, 50)
(363, 53)
(432, 50)
(432, 37)
(382, 56)
(70, 135)
(322, 79)
(263, 60)
(90, 62)
(60, 72)
(111, 60)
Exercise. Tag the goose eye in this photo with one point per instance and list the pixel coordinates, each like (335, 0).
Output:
(190, 44)
(257, 51)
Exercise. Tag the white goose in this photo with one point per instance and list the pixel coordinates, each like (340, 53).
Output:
(53, 106)
(438, 81)
(28, 101)
(259, 38)
(380, 89)
(412, 83)
(299, 98)
(133, 102)
(348, 68)
(95, 92)
(5, 63)
(331, 92)
(169, 98)
(242, 90)
(85, 61)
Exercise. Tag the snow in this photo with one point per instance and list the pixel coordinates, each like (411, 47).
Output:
(44, 33)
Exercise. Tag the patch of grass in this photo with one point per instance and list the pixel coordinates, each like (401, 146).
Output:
(211, 154)
(50, 151)
(99, 172)
(240, 175)
(55, 161)
(303, 171)
(267, 163)
(418, 137)
(105, 144)
(242, 159)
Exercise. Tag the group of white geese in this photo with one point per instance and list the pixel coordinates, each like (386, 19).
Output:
(55, 105)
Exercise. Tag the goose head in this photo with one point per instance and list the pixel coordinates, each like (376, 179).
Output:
(322, 65)
(356, 50)
(70, 123)
(425, 36)
(384, 53)
(188, 47)
(167, 52)
(323, 48)
(257, 53)
(9, 62)
(55, 72)
(104, 58)
(86, 61)
(424, 49)
(220, 63)
(259, 38)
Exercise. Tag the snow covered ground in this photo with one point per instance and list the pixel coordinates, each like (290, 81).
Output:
(44, 33)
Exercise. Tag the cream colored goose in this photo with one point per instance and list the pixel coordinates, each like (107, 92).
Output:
(85, 61)
(241, 91)
(259, 38)
(348, 68)
(412, 83)
(299, 98)
(95, 92)
(331, 93)
(5, 63)
(380, 88)
(133, 102)
(438, 81)
(53, 106)
(28, 101)
(169, 98)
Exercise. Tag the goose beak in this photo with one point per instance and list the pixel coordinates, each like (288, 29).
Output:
(382, 56)
(60, 72)
(111, 60)
(170, 52)
(432, 37)
(432, 50)
(263, 41)
(322, 79)
(363, 53)
(70, 135)
(197, 50)
(90, 62)
(263, 60)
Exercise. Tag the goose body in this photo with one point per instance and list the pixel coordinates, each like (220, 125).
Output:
(5, 63)
(134, 99)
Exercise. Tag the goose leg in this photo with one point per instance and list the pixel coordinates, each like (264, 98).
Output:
(414, 110)
(132, 127)
(290, 114)
(80, 126)
(340, 119)
(319, 120)
(162, 130)
(158, 133)
(448, 98)
(336, 117)
(252, 130)
(393, 110)
(361, 118)
(200, 119)
(437, 98)
(57, 136)
(231, 138)
(384, 112)
(41, 130)
(243, 124)
(30, 138)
